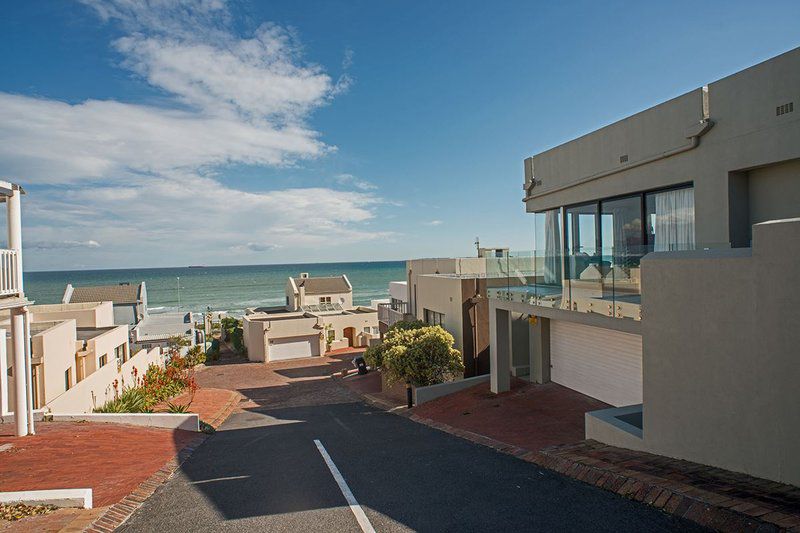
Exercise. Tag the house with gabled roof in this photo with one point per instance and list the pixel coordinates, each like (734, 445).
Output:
(304, 291)
(129, 300)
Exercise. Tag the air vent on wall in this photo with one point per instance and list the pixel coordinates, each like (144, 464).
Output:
(785, 108)
(623, 158)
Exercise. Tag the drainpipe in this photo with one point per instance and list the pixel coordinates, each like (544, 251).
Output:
(28, 369)
(693, 133)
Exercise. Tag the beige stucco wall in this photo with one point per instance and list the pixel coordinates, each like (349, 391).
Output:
(105, 344)
(259, 328)
(86, 315)
(442, 295)
(746, 134)
(55, 347)
(97, 389)
(720, 355)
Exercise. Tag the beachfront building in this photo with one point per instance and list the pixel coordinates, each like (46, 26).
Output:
(130, 301)
(318, 317)
(664, 276)
(305, 291)
(15, 356)
(452, 292)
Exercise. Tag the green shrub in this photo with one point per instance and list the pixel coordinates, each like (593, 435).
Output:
(422, 356)
(131, 400)
(237, 339)
(177, 408)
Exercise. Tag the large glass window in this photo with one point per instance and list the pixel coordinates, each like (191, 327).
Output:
(670, 219)
(621, 230)
(581, 242)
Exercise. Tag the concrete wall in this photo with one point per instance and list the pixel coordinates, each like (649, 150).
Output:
(720, 354)
(86, 315)
(398, 290)
(449, 265)
(774, 192)
(746, 134)
(125, 314)
(97, 388)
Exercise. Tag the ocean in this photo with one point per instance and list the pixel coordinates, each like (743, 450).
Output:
(223, 288)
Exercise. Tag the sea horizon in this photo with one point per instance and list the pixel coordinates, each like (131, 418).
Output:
(230, 288)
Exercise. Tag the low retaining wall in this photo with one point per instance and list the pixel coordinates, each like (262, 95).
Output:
(81, 498)
(184, 421)
(426, 394)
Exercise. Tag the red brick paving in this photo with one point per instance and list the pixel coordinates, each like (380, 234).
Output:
(530, 416)
(210, 404)
(111, 459)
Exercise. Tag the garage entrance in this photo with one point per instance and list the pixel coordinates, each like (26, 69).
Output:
(602, 363)
(293, 347)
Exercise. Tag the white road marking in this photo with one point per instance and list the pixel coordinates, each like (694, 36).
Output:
(217, 479)
(362, 519)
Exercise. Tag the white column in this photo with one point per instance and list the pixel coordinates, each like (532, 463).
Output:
(4, 393)
(14, 212)
(20, 374)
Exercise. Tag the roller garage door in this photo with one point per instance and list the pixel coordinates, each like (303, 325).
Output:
(293, 347)
(601, 363)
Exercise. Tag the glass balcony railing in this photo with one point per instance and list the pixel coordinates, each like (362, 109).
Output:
(603, 281)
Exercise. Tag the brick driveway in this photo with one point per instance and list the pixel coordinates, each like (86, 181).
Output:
(530, 416)
(294, 383)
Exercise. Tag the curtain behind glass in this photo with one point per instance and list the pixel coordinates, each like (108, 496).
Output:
(674, 220)
(552, 247)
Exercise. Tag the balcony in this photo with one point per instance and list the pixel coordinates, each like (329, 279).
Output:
(391, 313)
(608, 283)
(10, 285)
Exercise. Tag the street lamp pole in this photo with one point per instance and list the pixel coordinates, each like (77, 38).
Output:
(179, 291)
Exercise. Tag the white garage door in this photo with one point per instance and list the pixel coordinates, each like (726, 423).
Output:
(597, 362)
(293, 347)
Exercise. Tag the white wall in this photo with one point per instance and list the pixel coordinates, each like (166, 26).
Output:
(86, 315)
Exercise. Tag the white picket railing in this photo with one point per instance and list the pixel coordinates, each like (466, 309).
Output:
(9, 273)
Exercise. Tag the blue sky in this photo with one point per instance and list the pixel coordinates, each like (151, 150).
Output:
(245, 132)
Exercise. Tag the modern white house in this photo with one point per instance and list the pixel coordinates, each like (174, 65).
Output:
(394, 308)
(15, 354)
(663, 279)
(318, 316)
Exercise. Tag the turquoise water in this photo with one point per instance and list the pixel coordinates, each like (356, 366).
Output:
(228, 288)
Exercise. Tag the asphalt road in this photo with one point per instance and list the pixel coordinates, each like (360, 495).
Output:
(262, 471)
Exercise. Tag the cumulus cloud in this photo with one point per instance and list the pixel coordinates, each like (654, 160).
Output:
(139, 175)
(434, 223)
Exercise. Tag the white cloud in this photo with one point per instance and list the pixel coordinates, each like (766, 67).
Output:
(56, 245)
(434, 223)
(142, 177)
(353, 181)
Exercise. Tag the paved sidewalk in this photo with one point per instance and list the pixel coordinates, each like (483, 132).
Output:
(111, 459)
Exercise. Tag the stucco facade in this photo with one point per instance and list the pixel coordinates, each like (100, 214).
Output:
(705, 319)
